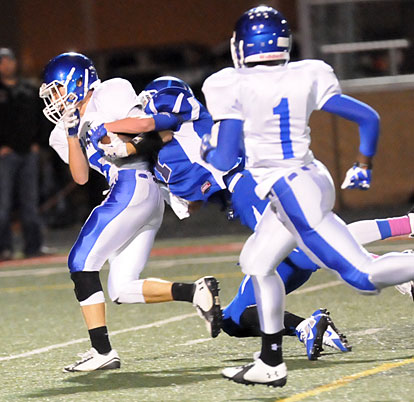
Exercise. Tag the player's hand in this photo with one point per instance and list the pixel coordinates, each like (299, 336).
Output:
(96, 134)
(357, 177)
(116, 148)
(206, 146)
(71, 119)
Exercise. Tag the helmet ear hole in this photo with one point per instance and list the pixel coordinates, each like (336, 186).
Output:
(79, 82)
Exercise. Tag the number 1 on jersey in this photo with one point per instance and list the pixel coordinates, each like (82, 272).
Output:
(282, 109)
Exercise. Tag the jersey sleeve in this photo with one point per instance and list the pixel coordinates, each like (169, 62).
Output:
(221, 93)
(177, 101)
(326, 84)
(58, 141)
(116, 99)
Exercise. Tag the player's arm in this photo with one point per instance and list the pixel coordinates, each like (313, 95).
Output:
(221, 148)
(78, 163)
(359, 176)
(135, 125)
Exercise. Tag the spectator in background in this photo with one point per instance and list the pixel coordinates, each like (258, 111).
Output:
(20, 133)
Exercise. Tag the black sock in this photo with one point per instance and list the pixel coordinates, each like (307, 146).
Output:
(271, 352)
(291, 321)
(249, 321)
(100, 340)
(183, 291)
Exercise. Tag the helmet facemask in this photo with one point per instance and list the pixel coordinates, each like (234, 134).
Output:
(57, 100)
(67, 79)
(144, 97)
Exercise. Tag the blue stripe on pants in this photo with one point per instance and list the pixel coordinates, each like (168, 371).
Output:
(322, 249)
(119, 198)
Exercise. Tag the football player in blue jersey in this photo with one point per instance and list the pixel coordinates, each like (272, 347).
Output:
(181, 169)
(262, 106)
(123, 227)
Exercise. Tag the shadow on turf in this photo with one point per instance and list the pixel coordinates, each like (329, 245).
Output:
(300, 362)
(112, 380)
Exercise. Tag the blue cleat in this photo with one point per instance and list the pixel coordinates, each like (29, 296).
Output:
(333, 338)
(311, 332)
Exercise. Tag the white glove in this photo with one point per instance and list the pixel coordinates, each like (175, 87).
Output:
(71, 121)
(357, 177)
(116, 148)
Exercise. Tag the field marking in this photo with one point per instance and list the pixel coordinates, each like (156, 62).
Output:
(152, 264)
(196, 341)
(369, 331)
(154, 324)
(346, 380)
(112, 333)
(317, 287)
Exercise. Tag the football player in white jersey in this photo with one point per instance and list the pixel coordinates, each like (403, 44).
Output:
(262, 106)
(179, 166)
(122, 229)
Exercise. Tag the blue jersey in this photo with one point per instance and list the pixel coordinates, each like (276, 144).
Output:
(179, 164)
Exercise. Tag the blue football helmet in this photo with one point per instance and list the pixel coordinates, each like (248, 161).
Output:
(67, 79)
(261, 34)
(157, 85)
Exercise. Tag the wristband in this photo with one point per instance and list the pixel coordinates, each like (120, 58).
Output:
(363, 165)
(166, 121)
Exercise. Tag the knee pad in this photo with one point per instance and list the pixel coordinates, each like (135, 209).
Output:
(86, 284)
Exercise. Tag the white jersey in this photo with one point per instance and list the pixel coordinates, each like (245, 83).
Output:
(111, 100)
(275, 103)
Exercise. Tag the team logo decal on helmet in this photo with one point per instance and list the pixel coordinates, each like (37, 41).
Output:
(261, 34)
(67, 78)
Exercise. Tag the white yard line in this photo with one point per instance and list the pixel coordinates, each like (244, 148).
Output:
(368, 331)
(152, 264)
(75, 341)
(316, 287)
(146, 326)
(196, 341)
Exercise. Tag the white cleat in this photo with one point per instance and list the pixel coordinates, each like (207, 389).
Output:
(335, 340)
(257, 373)
(406, 288)
(206, 300)
(92, 360)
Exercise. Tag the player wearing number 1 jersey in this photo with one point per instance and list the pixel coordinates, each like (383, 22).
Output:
(264, 103)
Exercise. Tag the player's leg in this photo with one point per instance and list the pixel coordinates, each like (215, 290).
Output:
(124, 285)
(367, 231)
(133, 201)
(304, 200)
(270, 243)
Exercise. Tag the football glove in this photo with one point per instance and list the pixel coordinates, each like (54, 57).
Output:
(71, 119)
(115, 149)
(96, 134)
(356, 177)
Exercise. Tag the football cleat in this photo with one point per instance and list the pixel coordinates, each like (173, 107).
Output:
(406, 288)
(333, 338)
(92, 360)
(257, 372)
(206, 300)
(310, 333)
